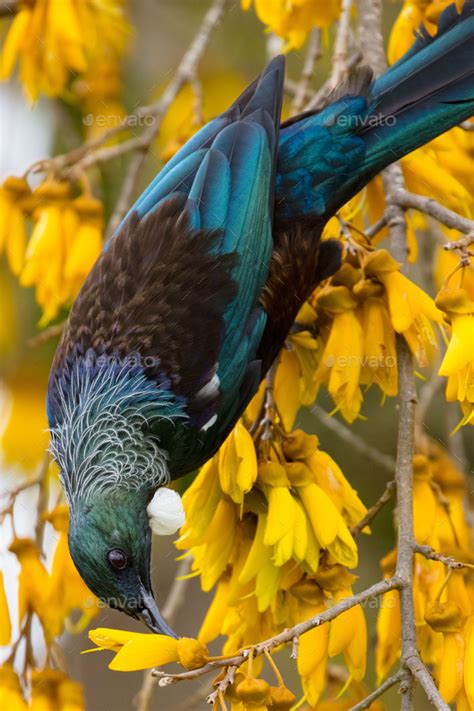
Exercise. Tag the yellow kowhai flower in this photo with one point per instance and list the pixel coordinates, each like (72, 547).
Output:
(65, 242)
(341, 361)
(11, 697)
(15, 195)
(100, 94)
(237, 464)
(23, 439)
(52, 690)
(447, 263)
(458, 362)
(293, 19)
(75, 595)
(425, 175)
(137, 650)
(34, 587)
(410, 309)
(469, 661)
(412, 15)
(87, 244)
(5, 624)
(447, 618)
(51, 38)
(348, 634)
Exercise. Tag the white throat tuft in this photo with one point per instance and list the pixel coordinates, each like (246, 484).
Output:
(166, 512)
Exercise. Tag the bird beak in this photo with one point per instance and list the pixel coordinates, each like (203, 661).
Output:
(151, 615)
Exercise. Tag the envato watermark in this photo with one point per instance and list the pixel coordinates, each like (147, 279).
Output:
(362, 361)
(113, 120)
(355, 121)
(135, 360)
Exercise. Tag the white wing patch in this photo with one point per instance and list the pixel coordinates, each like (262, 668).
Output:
(165, 512)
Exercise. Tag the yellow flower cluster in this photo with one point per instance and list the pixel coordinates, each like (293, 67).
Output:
(65, 241)
(444, 598)
(100, 93)
(293, 19)
(267, 521)
(358, 313)
(45, 594)
(52, 39)
(51, 690)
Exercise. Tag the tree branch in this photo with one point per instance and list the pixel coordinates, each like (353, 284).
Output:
(374, 510)
(312, 55)
(448, 560)
(288, 635)
(387, 684)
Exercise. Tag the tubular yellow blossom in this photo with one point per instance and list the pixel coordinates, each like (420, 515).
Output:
(14, 197)
(410, 309)
(469, 661)
(87, 244)
(5, 624)
(312, 657)
(33, 588)
(388, 634)
(136, 650)
(458, 362)
(348, 634)
(11, 697)
(293, 19)
(341, 361)
(407, 23)
(24, 439)
(237, 464)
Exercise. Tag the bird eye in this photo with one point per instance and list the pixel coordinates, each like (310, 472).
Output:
(117, 559)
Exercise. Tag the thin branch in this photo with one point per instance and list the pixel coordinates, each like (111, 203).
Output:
(341, 44)
(345, 433)
(374, 591)
(413, 662)
(434, 209)
(223, 685)
(448, 560)
(387, 684)
(374, 510)
(46, 335)
(312, 55)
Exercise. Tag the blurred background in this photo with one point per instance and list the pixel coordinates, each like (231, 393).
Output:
(237, 52)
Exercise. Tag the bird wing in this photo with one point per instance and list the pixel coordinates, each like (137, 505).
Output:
(179, 283)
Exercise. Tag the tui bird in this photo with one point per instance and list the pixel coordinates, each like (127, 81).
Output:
(189, 303)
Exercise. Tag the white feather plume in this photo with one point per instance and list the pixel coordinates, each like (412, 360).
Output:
(166, 512)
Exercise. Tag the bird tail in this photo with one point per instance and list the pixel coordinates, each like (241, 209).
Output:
(325, 158)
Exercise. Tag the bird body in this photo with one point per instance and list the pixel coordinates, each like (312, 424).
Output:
(192, 298)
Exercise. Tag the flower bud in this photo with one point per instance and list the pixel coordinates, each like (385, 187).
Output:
(445, 616)
(192, 653)
(272, 473)
(282, 698)
(253, 692)
(299, 445)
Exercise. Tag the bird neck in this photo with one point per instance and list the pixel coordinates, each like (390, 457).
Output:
(101, 435)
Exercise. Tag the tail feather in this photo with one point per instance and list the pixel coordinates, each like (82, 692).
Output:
(327, 157)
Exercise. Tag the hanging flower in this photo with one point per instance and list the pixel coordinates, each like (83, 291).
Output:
(11, 697)
(5, 624)
(15, 195)
(458, 363)
(293, 19)
(136, 650)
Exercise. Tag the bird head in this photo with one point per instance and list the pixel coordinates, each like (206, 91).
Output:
(110, 544)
